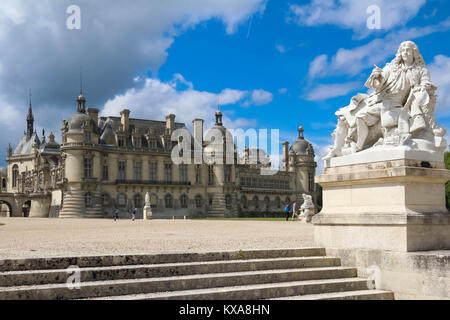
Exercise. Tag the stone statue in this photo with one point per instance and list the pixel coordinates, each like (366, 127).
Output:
(147, 199)
(399, 112)
(308, 209)
(147, 212)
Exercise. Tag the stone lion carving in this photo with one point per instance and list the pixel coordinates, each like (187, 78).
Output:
(308, 209)
(400, 111)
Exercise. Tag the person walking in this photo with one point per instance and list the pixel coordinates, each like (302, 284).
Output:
(295, 210)
(116, 214)
(133, 214)
(286, 211)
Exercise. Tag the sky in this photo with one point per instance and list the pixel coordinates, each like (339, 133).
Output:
(270, 64)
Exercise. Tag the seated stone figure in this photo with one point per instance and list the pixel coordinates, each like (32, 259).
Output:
(400, 111)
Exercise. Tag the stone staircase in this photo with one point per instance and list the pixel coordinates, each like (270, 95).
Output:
(293, 274)
(74, 207)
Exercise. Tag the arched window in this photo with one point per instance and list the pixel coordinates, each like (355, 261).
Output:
(3, 183)
(244, 202)
(288, 200)
(15, 175)
(228, 201)
(278, 202)
(184, 201)
(137, 200)
(267, 203)
(88, 200)
(198, 201)
(122, 200)
(154, 201)
(256, 202)
(169, 201)
(105, 199)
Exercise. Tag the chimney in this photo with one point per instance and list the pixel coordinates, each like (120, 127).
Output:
(170, 123)
(93, 113)
(198, 130)
(286, 155)
(125, 119)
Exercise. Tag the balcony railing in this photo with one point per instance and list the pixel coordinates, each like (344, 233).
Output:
(154, 182)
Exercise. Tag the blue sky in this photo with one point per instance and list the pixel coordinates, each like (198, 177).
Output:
(274, 64)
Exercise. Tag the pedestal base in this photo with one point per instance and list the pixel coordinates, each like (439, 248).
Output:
(394, 205)
(147, 213)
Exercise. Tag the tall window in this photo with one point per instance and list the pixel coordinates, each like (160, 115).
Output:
(137, 143)
(87, 167)
(227, 173)
(198, 201)
(15, 174)
(210, 175)
(137, 171)
(168, 172)
(266, 203)
(121, 141)
(153, 144)
(87, 137)
(183, 172)
(105, 174)
(122, 200)
(169, 201)
(278, 202)
(184, 201)
(88, 200)
(244, 202)
(153, 170)
(228, 201)
(137, 200)
(122, 170)
(198, 174)
(256, 202)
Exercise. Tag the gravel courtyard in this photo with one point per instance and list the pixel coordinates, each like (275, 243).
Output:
(26, 238)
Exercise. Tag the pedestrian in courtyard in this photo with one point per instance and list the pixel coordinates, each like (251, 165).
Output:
(286, 210)
(133, 214)
(116, 214)
(294, 210)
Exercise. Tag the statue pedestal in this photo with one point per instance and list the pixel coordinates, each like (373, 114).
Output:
(396, 205)
(147, 213)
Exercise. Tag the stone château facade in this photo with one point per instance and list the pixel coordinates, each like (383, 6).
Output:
(111, 162)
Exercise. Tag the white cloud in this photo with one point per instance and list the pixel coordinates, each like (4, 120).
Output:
(327, 91)
(352, 61)
(440, 70)
(318, 65)
(261, 97)
(117, 42)
(280, 48)
(282, 91)
(352, 14)
(156, 99)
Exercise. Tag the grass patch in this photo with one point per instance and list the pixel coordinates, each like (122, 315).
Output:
(244, 219)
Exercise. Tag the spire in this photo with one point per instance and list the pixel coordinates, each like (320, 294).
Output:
(81, 99)
(218, 114)
(30, 119)
(300, 132)
(43, 136)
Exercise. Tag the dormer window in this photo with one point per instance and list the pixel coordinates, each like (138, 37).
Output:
(87, 137)
(153, 144)
(121, 141)
(137, 143)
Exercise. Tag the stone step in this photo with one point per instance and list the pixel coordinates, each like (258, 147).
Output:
(254, 292)
(138, 259)
(192, 282)
(38, 277)
(346, 295)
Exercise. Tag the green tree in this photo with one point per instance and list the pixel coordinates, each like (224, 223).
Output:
(447, 185)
